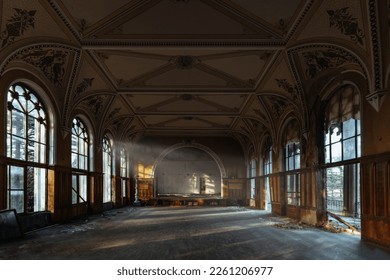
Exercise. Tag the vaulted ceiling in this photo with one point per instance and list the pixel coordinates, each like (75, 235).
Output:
(185, 67)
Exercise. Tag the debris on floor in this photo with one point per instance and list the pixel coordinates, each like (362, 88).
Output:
(290, 225)
(337, 227)
(287, 223)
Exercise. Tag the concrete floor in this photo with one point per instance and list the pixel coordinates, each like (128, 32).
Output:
(188, 233)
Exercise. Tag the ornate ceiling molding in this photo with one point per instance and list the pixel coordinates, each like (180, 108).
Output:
(258, 44)
(378, 94)
(59, 12)
(184, 62)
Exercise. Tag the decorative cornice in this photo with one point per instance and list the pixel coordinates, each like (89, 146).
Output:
(97, 44)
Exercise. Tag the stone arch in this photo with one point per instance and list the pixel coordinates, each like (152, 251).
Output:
(190, 145)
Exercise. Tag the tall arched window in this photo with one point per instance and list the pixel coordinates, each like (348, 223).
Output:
(342, 143)
(107, 169)
(80, 161)
(292, 162)
(27, 138)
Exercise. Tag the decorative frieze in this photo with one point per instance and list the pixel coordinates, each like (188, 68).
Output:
(320, 60)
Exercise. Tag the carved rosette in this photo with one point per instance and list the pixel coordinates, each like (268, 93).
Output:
(184, 62)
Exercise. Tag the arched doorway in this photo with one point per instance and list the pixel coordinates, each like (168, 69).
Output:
(188, 169)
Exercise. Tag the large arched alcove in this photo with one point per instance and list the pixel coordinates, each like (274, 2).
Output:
(187, 171)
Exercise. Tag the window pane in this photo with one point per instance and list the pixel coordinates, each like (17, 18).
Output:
(16, 201)
(9, 147)
(358, 127)
(349, 128)
(334, 188)
(17, 106)
(81, 162)
(18, 123)
(39, 189)
(74, 197)
(83, 187)
(297, 161)
(359, 146)
(74, 161)
(81, 147)
(42, 134)
(123, 188)
(291, 163)
(16, 177)
(18, 148)
(74, 189)
(16, 188)
(336, 152)
(349, 149)
(327, 154)
(74, 143)
(42, 157)
(253, 188)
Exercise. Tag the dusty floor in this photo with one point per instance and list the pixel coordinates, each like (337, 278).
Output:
(188, 233)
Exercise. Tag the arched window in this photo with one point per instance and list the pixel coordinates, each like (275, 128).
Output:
(107, 169)
(292, 162)
(342, 146)
(27, 138)
(80, 161)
